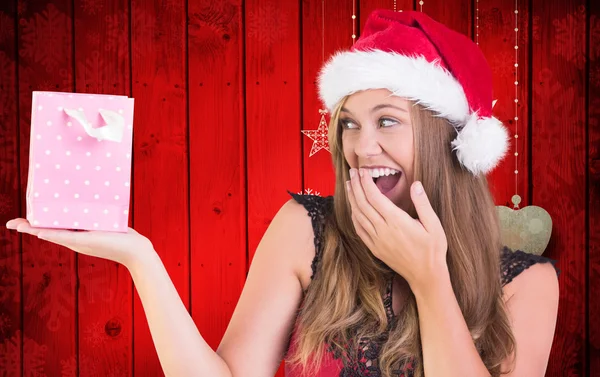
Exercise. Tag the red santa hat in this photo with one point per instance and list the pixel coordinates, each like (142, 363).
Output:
(422, 60)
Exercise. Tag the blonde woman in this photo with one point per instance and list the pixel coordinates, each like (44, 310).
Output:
(401, 272)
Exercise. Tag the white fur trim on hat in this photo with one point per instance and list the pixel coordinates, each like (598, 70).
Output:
(415, 78)
(481, 144)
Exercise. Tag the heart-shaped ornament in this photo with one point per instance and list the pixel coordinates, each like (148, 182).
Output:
(527, 229)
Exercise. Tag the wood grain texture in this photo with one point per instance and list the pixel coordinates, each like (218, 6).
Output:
(367, 6)
(330, 30)
(105, 292)
(160, 183)
(217, 163)
(273, 138)
(497, 40)
(251, 88)
(558, 162)
(456, 14)
(593, 188)
(11, 329)
(273, 109)
(45, 44)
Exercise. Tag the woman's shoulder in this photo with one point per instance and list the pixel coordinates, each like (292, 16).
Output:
(515, 263)
(312, 208)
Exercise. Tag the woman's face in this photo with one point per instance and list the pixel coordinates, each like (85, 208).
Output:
(377, 135)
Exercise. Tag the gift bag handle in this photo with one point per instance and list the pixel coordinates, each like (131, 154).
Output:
(112, 131)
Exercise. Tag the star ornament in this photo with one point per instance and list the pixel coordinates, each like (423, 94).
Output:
(319, 136)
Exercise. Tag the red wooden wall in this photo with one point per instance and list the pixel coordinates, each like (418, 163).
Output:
(223, 90)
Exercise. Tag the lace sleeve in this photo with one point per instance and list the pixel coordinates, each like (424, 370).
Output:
(317, 208)
(515, 262)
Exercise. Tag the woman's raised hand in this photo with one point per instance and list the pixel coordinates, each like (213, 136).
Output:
(123, 248)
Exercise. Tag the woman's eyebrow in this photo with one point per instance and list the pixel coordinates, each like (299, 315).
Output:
(379, 107)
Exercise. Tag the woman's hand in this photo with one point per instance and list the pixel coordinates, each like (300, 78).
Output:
(415, 249)
(123, 248)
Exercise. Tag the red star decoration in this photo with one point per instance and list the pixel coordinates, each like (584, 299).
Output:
(319, 136)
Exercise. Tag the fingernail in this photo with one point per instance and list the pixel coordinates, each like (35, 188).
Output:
(361, 172)
(418, 188)
(9, 225)
(352, 173)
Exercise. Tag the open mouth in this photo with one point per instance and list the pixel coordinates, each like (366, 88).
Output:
(386, 183)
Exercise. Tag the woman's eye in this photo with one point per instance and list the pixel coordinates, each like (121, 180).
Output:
(386, 122)
(347, 124)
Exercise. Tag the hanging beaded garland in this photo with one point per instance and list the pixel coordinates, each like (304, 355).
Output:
(529, 228)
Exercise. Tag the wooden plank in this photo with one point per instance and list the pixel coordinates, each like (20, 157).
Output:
(10, 243)
(368, 6)
(456, 14)
(321, 37)
(217, 164)
(273, 111)
(593, 146)
(160, 188)
(45, 63)
(558, 166)
(497, 40)
(105, 288)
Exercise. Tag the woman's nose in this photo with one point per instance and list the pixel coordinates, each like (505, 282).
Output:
(367, 145)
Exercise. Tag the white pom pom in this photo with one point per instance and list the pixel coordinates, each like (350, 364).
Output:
(481, 144)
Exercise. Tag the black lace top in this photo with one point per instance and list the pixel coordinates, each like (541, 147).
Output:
(365, 361)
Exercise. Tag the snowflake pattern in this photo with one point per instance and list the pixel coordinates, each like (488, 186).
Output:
(7, 28)
(117, 39)
(48, 282)
(211, 27)
(86, 363)
(7, 98)
(6, 203)
(94, 335)
(9, 281)
(535, 27)
(267, 24)
(92, 7)
(93, 39)
(319, 136)
(569, 41)
(21, 7)
(595, 75)
(91, 72)
(46, 37)
(562, 100)
(142, 23)
(502, 65)
(594, 37)
(309, 191)
(5, 325)
(34, 356)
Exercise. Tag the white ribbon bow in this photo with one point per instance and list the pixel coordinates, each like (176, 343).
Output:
(112, 131)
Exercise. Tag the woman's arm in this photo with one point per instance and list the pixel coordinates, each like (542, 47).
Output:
(181, 349)
(448, 349)
(259, 330)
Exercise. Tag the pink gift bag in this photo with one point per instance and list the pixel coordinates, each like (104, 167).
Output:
(80, 161)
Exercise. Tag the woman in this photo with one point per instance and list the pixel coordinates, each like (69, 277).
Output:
(401, 273)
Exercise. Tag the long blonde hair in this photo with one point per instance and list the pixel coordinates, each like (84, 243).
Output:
(344, 301)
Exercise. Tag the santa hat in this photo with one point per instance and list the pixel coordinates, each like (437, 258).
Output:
(422, 60)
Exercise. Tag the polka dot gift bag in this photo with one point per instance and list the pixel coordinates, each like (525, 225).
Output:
(80, 161)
